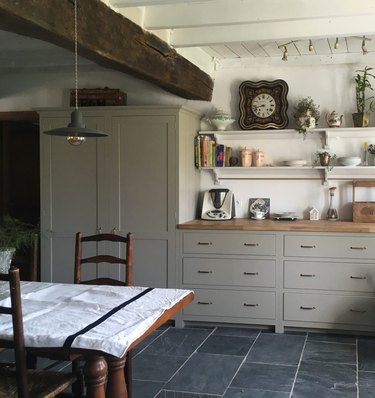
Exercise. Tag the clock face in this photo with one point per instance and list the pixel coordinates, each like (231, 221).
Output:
(263, 104)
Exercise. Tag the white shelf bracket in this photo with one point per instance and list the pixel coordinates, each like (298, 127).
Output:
(216, 176)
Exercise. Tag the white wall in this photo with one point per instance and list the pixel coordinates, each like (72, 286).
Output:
(331, 86)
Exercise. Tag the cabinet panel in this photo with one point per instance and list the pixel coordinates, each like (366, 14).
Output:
(329, 308)
(228, 272)
(329, 276)
(359, 247)
(246, 304)
(146, 173)
(229, 243)
(150, 262)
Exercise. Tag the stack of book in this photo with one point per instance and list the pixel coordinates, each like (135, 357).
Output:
(208, 153)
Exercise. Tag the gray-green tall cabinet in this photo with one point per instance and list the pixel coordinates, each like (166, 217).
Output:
(139, 179)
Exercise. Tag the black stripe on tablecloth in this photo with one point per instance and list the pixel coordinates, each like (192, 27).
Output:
(69, 340)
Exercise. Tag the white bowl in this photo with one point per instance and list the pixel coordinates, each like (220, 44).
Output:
(349, 160)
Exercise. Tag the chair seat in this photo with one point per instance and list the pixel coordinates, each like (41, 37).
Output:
(105, 281)
(41, 384)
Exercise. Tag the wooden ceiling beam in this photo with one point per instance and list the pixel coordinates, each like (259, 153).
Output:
(110, 40)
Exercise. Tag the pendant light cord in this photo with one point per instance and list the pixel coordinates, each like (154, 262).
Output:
(76, 50)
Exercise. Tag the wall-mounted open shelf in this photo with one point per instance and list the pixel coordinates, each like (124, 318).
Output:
(326, 137)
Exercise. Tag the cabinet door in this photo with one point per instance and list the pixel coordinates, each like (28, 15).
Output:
(68, 196)
(146, 192)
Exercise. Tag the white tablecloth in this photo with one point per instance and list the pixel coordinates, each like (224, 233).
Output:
(54, 311)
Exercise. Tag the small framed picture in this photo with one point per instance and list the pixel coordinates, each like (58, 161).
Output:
(259, 208)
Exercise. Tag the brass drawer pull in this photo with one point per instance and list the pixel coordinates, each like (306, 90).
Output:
(358, 277)
(205, 243)
(204, 272)
(306, 308)
(250, 305)
(205, 302)
(251, 273)
(358, 247)
(307, 275)
(308, 246)
(251, 244)
(358, 311)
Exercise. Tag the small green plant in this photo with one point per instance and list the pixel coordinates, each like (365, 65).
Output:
(362, 85)
(306, 115)
(16, 234)
(324, 158)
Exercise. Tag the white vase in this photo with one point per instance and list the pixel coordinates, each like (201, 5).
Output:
(6, 255)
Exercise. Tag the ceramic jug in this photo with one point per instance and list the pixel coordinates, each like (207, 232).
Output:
(333, 119)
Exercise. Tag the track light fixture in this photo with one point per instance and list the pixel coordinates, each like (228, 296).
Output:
(364, 49)
(311, 47)
(285, 54)
(337, 44)
(76, 132)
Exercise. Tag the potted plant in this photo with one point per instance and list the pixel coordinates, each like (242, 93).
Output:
(14, 235)
(325, 158)
(306, 115)
(364, 104)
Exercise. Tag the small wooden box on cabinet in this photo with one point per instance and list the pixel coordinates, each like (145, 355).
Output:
(363, 211)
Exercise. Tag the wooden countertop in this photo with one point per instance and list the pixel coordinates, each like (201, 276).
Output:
(246, 224)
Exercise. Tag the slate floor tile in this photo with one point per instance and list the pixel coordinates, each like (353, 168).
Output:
(277, 349)
(366, 382)
(332, 338)
(205, 373)
(318, 351)
(156, 367)
(178, 394)
(366, 354)
(265, 377)
(147, 341)
(181, 342)
(240, 332)
(146, 389)
(254, 393)
(325, 380)
(227, 345)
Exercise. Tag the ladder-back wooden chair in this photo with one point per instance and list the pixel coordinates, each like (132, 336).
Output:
(126, 247)
(18, 381)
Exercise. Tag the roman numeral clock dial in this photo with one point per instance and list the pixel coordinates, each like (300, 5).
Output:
(263, 104)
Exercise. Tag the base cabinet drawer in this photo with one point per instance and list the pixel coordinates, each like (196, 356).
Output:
(230, 303)
(234, 243)
(329, 276)
(229, 272)
(329, 308)
(329, 246)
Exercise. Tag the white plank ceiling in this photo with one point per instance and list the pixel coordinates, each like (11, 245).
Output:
(229, 30)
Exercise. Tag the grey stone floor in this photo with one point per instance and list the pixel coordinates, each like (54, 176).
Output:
(226, 362)
(251, 363)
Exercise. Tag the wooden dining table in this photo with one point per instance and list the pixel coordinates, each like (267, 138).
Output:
(96, 323)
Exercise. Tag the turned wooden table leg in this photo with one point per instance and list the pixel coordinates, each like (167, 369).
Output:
(95, 371)
(116, 384)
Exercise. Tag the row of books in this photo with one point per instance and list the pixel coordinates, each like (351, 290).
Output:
(208, 153)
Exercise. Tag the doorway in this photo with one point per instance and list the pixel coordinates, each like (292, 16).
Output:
(20, 172)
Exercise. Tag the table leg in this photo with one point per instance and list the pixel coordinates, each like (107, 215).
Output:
(95, 371)
(116, 385)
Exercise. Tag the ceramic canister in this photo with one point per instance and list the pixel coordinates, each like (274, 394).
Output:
(258, 158)
(246, 157)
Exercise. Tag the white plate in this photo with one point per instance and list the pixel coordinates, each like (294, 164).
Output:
(295, 163)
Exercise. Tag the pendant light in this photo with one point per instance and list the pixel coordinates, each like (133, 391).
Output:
(76, 132)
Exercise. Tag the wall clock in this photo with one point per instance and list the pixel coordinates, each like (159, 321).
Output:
(263, 104)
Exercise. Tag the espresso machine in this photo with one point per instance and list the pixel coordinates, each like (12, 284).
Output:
(218, 204)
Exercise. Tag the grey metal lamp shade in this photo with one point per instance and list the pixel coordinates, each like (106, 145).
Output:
(75, 128)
